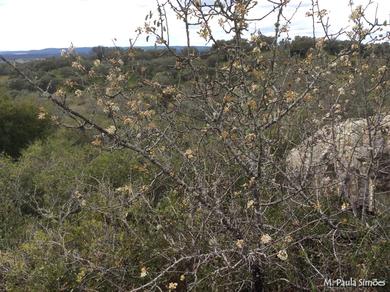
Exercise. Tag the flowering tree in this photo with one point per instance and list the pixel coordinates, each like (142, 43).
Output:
(217, 208)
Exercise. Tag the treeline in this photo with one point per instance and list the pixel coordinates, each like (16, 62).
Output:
(160, 65)
(302, 44)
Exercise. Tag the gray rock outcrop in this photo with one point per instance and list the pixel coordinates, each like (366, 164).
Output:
(354, 155)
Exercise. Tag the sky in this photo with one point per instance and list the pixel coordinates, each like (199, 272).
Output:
(38, 24)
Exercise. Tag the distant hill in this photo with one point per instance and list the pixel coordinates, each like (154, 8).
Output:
(56, 52)
(44, 53)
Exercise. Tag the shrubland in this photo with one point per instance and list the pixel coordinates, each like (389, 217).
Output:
(166, 169)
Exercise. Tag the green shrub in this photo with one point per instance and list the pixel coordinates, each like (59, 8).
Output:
(20, 125)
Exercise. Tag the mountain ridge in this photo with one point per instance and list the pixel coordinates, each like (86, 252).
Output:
(56, 52)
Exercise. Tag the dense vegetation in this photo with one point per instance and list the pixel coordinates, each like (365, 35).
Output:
(165, 170)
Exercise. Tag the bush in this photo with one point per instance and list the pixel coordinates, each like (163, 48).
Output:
(19, 84)
(19, 125)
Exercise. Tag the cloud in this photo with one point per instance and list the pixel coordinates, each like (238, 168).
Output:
(55, 23)
(27, 24)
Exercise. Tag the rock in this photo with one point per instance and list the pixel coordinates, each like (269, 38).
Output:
(354, 155)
